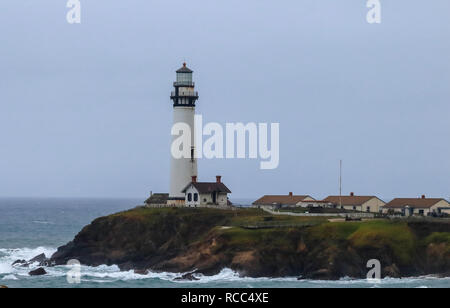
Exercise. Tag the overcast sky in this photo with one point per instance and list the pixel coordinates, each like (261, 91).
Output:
(85, 109)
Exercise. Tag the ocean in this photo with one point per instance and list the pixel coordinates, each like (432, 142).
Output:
(29, 227)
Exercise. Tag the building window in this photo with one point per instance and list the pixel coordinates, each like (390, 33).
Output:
(195, 197)
(421, 212)
(354, 208)
(189, 197)
(368, 209)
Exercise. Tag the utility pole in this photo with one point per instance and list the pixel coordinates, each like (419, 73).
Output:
(340, 183)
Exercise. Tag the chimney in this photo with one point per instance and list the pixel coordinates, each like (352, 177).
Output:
(218, 179)
(352, 194)
(424, 197)
(194, 179)
(291, 194)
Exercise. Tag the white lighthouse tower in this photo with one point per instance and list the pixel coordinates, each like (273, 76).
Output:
(182, 170)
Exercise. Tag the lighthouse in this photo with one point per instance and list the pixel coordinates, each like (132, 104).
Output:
(183, 169)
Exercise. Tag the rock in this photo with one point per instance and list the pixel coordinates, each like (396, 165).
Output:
(392, 271)
(141, 272)
(42, 260)
(187, 277)
(183, 240)
(20, 262)
(38, 272)
(3, 287)
(39, 259)
(322, 274)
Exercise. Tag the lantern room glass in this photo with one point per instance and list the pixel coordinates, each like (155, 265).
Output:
(184, 78)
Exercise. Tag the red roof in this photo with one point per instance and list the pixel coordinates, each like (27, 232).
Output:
(413, 202)
(284, 200)
(349, 200)
(204, 188)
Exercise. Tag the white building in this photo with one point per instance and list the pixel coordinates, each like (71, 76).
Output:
(183, 169)
(417, 206)
(369, 204)
(206, 194)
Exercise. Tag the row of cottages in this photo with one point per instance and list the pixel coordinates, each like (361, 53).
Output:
(369, 204)
(421, 207)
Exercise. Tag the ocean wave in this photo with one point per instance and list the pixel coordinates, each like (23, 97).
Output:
(109, 274)
(41, 222)
(9, 256)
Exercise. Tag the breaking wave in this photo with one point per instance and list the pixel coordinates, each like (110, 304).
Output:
(111, 274)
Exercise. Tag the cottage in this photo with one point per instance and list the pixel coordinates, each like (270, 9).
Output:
(289, 200)
(369, 204)
(206, 194)
(417, 206)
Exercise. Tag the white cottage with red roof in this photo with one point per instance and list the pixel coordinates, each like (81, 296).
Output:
(206, 194)
(417, 206)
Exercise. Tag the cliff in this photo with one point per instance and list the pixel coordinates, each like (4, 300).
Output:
(257, 245)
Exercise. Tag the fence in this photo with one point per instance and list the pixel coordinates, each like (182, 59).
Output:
(343, 215)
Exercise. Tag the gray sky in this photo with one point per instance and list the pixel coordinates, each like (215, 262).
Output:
(85, 109)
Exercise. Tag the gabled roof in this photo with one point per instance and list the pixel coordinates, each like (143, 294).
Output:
(349, 200)
(205, 188)
(280, 199)
(413, 202)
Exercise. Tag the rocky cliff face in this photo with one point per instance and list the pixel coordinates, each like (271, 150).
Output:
(206, 241)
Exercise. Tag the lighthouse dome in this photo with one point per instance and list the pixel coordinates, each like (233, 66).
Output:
(185, 69)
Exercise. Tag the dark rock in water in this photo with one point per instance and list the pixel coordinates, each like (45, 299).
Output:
(141, 272)
(38, 272)
(187, 277)
(322, 274)
(392, 271)
(40, 258)
(20, 262)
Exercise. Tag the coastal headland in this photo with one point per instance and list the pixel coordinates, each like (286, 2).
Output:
(257, 244)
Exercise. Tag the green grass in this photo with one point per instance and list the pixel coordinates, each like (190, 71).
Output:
(385, 234)
(335, 231)
(438, 238)
(270, 238)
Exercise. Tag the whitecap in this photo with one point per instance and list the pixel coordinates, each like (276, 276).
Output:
(9, 256)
